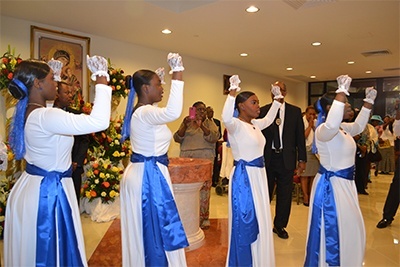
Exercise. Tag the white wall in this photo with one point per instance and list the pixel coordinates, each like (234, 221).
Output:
(203, 79)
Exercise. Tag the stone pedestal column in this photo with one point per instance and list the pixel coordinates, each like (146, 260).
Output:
(188, 176)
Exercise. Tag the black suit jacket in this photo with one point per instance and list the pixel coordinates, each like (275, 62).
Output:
(81, 144)
(294, 145)
(218, 123)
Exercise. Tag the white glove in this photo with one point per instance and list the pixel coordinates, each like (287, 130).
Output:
(56, 66)
(234, 80)
(98, 65)
(175, 62)
(344, 82)
(161, 73)
(370, 95)
(276, 91)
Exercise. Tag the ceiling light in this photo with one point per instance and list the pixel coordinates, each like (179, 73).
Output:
(313, 76)
(368, 71)
(316, 44)
(243, 54)
(289, 68)
(252, 9)
(350, 62)
(166, 31)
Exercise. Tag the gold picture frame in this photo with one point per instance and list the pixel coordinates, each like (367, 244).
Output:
(70, 49)
(227, 84)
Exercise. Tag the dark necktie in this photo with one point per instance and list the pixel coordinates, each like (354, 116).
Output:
(277, 139)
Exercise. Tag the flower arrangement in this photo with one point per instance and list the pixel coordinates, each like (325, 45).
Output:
(108, 144)
(117, 81)
(8, 63)
(103, 178)
(104, 168)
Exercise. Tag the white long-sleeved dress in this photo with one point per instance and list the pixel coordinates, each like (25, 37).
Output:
(247, 143)
(149, 136)
(336, 148)
(49, 137)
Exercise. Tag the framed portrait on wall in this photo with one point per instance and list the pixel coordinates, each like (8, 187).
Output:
(227, 84)
(71, 50)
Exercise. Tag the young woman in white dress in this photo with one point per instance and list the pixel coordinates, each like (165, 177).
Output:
(336, 233)
(250, 226)
(151, 229)
(43, 226)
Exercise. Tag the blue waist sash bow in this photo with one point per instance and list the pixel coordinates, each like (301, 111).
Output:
(54, 208)
(324, 204)
(244, 220)
(162, 226)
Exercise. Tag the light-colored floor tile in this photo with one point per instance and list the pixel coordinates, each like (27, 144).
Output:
(382, 246)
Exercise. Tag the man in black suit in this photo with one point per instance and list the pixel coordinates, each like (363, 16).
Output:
(216, 166)
(281, 155)
(81, 142)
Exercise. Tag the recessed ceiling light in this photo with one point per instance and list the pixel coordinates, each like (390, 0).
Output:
(243, 54)
(316, 44)
(166, 31)
(368, 71)
(350, 62)
(252, 9)
(313, 76)
(289, 68)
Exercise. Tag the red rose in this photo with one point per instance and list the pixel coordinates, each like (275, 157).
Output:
(106, 184)
(10, 76)
(4, 60)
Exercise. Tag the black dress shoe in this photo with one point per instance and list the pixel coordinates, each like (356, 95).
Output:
(363, 193)
(306, 204)
(383, 223)
(281, 232)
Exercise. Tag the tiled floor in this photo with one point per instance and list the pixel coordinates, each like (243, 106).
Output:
(382, 248)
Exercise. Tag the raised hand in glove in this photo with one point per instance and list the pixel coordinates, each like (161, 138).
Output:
(175, 62)
(234, 80)
(56, 66)
(276, 91)
(370, 95)
(161, 73)
(344, 82)
(98, 65)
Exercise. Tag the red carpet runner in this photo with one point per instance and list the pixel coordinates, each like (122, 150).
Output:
(211, 254)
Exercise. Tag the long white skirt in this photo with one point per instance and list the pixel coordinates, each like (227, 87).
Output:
(350, 223)
(21, 220)
(262, 250)
(131, 218)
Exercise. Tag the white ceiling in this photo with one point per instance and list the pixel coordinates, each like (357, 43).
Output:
(277, 37)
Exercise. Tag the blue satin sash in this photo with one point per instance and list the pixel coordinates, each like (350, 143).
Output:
(244, 219)
(324, 204)
(162, 226)
(54, 209)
